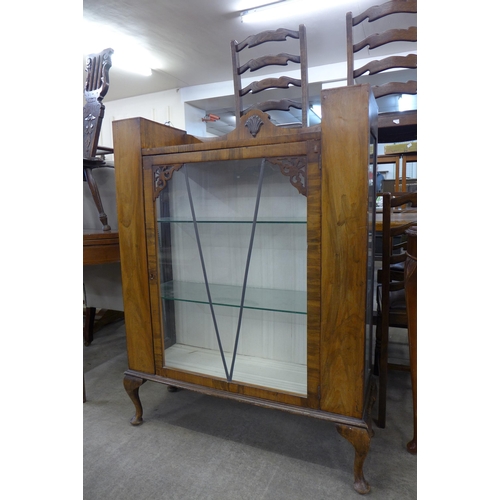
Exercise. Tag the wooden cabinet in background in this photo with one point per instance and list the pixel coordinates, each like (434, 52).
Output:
(247, 262)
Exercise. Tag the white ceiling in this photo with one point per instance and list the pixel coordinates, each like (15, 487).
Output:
(191, 38)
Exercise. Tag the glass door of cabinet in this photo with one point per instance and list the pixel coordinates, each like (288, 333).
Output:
(233, 273)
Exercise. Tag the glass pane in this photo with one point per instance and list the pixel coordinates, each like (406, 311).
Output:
(233, 245)
(230, 296)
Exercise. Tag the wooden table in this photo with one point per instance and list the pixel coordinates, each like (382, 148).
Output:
(397, 126)
(100, 247)
(397, 218)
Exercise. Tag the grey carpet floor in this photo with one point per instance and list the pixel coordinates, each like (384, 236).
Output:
(193, 446)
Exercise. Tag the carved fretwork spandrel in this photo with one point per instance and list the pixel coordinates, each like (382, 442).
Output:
(295, 168)
(162, 175)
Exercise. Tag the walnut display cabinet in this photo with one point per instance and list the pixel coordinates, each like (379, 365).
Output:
(247, 262)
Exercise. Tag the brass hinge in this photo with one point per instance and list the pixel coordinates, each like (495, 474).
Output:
(152, 275)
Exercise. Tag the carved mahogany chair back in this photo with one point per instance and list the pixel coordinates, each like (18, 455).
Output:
(391, 301)
(96, 87)
(267, 84)
(377, 43)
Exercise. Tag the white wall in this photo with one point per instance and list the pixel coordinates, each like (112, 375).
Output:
(175, 108)
(194, 124)
(161, 107)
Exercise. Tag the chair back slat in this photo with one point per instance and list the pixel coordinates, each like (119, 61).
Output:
(277, 60)
(393, 35)
(409, 87)
(278, 35)
(282, 83)
(374, 67)
(386, 9)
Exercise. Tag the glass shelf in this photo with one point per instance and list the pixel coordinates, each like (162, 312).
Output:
(233, 220)
(288, 301)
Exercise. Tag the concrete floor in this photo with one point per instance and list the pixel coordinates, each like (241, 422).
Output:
(193, 446)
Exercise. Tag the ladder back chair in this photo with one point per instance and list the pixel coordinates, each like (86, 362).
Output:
(391, 299)
(267, 84)
(411, 306)
(394, 126)
(96, 87)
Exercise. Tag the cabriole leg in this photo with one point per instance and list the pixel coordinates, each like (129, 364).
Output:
(132, 385)
(360, 439)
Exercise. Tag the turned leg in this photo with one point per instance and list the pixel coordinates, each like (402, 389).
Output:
(360, 439)
(132, 385)
(97, 199)
(88, 331)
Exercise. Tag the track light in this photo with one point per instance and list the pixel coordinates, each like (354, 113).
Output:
(260, 13)
(284, 8)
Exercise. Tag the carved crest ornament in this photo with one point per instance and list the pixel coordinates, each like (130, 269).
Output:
(253, 124)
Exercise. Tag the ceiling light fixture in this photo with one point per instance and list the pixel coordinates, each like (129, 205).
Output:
(260, 13)
(128, 56)
(282, 8)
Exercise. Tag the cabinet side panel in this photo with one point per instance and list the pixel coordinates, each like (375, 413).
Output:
(131, 225)
(345, 159)
(130, 137)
